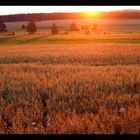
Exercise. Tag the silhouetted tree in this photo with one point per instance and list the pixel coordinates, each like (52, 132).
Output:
(31, 27)
(54, 29)
(94, 27)
(86, 28)
(23, 26)
(73, 27)
(3, 27)
(82, 27)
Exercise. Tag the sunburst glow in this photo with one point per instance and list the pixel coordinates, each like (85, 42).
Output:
(92, 14)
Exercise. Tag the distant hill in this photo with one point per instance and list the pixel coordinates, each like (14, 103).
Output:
(60, 16)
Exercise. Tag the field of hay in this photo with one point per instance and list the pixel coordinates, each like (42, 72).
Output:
(70, 84)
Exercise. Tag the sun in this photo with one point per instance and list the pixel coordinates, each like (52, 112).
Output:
(92, 14)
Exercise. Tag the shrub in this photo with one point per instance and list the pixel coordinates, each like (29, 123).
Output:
(94, 27)
(3, 27)
(23, 26)
(54, 29)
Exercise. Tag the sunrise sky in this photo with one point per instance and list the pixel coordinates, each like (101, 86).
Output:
(4, 10)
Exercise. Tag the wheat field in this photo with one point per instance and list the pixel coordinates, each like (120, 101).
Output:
(70, 84)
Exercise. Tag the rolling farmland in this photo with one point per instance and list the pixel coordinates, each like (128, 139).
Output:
(70, 83)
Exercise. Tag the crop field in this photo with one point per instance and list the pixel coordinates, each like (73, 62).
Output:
(70, 83)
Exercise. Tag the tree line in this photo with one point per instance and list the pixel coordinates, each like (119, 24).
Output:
(31, 27)
(61, 16)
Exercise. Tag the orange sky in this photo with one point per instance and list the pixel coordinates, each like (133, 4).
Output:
(4, 10)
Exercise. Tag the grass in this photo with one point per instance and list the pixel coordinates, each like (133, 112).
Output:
(76, 38)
